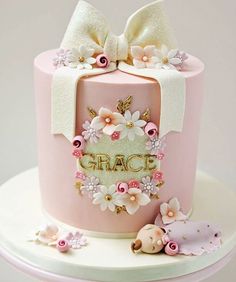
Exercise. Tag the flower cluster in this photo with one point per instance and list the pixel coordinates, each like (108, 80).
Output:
(129, 196)
(50, 235)
(163, 58)
(81, 58)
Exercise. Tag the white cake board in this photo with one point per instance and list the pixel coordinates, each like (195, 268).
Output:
(109, 259)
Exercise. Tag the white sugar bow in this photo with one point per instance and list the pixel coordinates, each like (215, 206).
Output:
(89, 28)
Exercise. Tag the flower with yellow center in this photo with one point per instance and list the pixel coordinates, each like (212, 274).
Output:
(82, 58)
(132, 126)
(107, 198)
(167, 59)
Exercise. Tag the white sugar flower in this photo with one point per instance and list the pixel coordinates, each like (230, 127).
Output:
(134, 199)
(144, 57)
(107, 121)
(148, 186)
(90, 133)
(166, 59)
(90, 185)
(155, 145)
(47, 234)
(82, 58)
(107, 198)
(171, 212)
(131, 126)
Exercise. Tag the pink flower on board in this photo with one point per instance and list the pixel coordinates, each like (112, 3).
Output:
(157, 175)
(107, 121)
(134, 184)
(115, 136)
(63, 246)
(170, 212)
(77, 153)
(76, 241)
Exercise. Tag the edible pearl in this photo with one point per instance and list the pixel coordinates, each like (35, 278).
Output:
(170, 214)
(130, 124)
(107, 120)
(132, 198)
(145, 58)
(81, 59)
(165, 60)
(108, 197)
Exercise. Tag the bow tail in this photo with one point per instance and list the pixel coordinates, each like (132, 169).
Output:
(64, 92)
(172, 85)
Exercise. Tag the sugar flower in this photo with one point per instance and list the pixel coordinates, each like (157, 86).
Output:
(82, 58)
(107, 198)
(76, 241)
(166, 59)
(131, 126)
(134, 199)
(170, 212)
(156, 145)
(144, 57)
(62, 58)
(90, 186)
(107, 121)
(183, 57)
(148, 186)
(90, 133)
(157, 175)
(47, 234)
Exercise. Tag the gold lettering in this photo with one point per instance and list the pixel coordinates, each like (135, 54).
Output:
(149, 159)
(90, 164)
(120, 162)
(129, 163)
(103, 159)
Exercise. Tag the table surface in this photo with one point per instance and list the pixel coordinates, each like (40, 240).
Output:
(20, 203)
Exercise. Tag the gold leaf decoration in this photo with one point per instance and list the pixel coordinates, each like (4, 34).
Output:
(124, 106)
(146, 115)
(92, 112)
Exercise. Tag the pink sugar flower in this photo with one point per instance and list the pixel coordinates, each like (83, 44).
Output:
(80, 175)
(172, 248)
(160, 156)
(107, 121)
(115, 136)
(170, 212)
(134, 184)
(77, 153)
(157, 175)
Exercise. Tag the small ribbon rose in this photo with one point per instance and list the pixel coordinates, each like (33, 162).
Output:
(171, 248)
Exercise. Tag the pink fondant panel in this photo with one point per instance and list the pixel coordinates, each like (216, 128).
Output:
(57, 166)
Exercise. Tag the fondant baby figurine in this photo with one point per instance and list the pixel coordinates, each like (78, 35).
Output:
(151, 239)
(177, 234)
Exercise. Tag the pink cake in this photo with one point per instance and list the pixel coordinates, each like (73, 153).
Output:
(119, 168)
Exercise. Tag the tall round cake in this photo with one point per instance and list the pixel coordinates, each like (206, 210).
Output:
(62, 195)
(118, 121)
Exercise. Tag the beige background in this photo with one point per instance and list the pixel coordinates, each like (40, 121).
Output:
(203, 28)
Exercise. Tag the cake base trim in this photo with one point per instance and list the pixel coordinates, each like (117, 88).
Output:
(22, 213)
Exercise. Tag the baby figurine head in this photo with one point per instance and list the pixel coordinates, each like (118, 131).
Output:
(151, 239)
